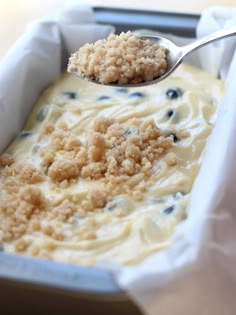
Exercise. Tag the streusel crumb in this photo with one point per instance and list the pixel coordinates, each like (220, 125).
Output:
(171, 159)
(122, 161)
(110, 154)
(22, 174)
(6, 159)
(63, 169)
(18, 208)
(122, 59)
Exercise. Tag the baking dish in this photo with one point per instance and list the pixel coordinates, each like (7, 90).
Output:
(43, 286)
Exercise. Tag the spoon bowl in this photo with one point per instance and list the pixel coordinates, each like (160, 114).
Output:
(174, 58)
(175, 54)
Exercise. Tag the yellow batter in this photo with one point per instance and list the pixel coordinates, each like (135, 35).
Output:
(125, 205)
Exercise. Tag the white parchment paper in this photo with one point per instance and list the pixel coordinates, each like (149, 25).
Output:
(197, 274)
(37, 59)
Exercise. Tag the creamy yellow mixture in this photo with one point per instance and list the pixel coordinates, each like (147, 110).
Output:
(47, 213)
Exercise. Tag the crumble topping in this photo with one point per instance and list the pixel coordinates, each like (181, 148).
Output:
(111, 155)
(24, 173)
(6, 159)
(17, 209)
(92, 177)
(109, 152)
(122, 59)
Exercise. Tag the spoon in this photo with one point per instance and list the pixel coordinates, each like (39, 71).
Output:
(175, 54)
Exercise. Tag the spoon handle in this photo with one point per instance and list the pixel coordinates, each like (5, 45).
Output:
(208, 39)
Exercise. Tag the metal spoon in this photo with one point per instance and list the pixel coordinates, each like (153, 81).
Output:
(175, 53)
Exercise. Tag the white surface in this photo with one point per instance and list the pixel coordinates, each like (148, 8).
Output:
(197, 275)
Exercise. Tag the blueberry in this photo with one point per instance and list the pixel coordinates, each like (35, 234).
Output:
(175, 138)
(136, 95)
(174, 93)
(103, 98)
(130, 131)
(174, 115)
(169, 133)
(170, 113)
(121, 90)
(110, 208)
(25, 134)
(70, 95)
(168, 210)
(42, 114)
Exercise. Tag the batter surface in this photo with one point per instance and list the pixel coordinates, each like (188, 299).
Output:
(106, 173)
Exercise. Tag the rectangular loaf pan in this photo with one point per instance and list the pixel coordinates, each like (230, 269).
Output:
(180, 24)
(34, 285)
